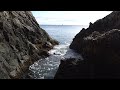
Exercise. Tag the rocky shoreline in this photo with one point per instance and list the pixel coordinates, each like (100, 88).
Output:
(22, 42)
(99, 45)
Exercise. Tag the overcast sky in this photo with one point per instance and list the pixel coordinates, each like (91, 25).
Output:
(68, 17)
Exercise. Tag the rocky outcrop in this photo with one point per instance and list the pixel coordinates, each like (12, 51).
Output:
(99, 45)
(22, 42)
(101, 58)
(111, 21)
(73, 69)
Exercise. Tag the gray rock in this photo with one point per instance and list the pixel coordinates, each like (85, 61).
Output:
(21, 41)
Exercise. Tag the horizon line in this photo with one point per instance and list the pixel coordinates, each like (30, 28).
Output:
(63, 24)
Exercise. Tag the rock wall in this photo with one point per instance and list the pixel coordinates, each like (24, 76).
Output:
(109, 22)
(99, 45)
(22, 42)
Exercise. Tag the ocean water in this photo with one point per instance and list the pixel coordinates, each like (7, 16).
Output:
(46, 68)
(63, 33)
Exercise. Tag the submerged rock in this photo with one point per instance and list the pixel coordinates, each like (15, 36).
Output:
(21, 42)
(100, 47)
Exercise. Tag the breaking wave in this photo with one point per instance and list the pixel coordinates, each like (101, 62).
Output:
(46, 68)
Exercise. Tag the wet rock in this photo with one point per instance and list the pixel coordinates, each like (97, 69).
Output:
(44, 53)
(20, 36)
(47, 45)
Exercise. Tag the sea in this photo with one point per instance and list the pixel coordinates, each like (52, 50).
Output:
(46, 68)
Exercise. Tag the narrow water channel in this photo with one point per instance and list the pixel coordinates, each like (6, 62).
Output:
(46, 68)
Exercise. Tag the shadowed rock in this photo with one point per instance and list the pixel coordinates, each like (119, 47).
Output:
(100, 47)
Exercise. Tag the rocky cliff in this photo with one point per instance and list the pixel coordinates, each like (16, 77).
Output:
(99, 45)
(22, 42)
(111, 21)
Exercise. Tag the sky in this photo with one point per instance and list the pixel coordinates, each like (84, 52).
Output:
(68, 17)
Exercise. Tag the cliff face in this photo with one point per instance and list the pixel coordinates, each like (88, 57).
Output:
(111, 21)
(99, 45)
(22, 42)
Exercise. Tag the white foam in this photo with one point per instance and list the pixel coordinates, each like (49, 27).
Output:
(46, 68)
(59, 50)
